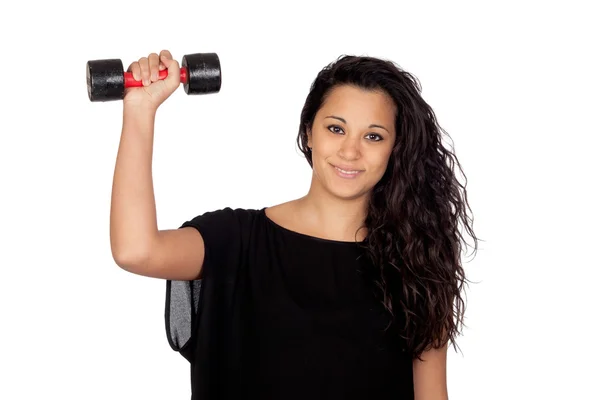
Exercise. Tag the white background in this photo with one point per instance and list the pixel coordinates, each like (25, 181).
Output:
(514, 83)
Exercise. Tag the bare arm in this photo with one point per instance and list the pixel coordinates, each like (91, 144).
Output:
(136, 243)
(429, 375)
(133, 226)
(176, 254)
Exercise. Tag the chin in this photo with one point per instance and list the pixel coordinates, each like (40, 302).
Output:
(348, 193)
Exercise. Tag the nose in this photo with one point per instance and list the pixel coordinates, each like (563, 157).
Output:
(349, 148)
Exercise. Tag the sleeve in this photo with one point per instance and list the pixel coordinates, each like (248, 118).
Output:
(186, 300)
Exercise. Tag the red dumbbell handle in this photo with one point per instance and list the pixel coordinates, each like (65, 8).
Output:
(130, 82)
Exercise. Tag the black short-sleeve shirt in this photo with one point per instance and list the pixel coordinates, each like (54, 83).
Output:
(282, 315)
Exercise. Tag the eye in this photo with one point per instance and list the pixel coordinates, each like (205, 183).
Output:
(334, 127)
(338, 130)
(375, 135)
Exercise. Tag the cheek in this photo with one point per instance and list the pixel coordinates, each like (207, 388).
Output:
(325, 148)
(386, 158)
(380, 160)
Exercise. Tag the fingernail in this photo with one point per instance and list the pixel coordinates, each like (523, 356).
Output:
(146, 83)
(154, 76)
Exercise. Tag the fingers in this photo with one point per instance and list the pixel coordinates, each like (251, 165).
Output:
(144, 71)
(164, 55)
(173, 74)
(134, 68)
(146, 68)
(153, 66)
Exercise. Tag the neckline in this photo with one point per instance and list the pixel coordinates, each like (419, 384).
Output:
(306, 236)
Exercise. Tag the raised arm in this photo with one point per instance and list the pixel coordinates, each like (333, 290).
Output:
(136, 243)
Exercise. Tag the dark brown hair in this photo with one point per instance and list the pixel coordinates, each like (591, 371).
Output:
(414, 212)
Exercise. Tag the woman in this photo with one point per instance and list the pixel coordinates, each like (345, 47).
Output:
(351, 291)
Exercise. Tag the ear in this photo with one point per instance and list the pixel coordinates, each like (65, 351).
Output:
(309, 135)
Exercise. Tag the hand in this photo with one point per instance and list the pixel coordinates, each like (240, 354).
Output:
(154, 91)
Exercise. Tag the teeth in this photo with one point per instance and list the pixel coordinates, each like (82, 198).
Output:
(347, 172)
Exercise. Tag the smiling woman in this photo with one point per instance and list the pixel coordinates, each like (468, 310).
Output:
(352, 291)
(348, 133)
(365, 121)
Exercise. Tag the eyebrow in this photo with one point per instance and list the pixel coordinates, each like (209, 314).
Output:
(344, 121)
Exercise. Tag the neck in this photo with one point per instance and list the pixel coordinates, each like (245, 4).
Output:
(335, 216)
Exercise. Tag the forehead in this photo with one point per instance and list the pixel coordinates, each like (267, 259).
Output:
(354, 103)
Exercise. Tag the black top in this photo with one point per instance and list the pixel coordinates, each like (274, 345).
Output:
(282, 315)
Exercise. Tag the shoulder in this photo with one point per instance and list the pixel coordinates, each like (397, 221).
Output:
(222, 224)
(282, 213)
(230, 220)
(225, 214)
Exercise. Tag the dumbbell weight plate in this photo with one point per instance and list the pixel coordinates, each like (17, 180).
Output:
(105, 80)
(203, 73)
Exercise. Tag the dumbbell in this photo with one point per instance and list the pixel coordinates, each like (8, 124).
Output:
(106, 79)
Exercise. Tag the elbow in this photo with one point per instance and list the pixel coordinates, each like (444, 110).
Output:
(129, 254)
(130, 260)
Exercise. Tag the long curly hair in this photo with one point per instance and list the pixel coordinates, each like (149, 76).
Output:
(414, 211)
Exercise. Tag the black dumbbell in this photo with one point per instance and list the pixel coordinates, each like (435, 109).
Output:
(107, 80)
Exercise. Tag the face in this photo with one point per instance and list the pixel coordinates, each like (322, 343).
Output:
(352, 139)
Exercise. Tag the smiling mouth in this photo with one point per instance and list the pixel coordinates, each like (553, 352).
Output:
(346, 173)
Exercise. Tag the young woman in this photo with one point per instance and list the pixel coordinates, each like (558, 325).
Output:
(351, 291)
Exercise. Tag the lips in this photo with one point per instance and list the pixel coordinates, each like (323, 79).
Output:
(346, 172)
(347, 169)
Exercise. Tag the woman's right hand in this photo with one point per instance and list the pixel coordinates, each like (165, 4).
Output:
(154, 91)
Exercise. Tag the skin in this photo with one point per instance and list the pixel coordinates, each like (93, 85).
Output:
(429, 375)
(334, 207)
